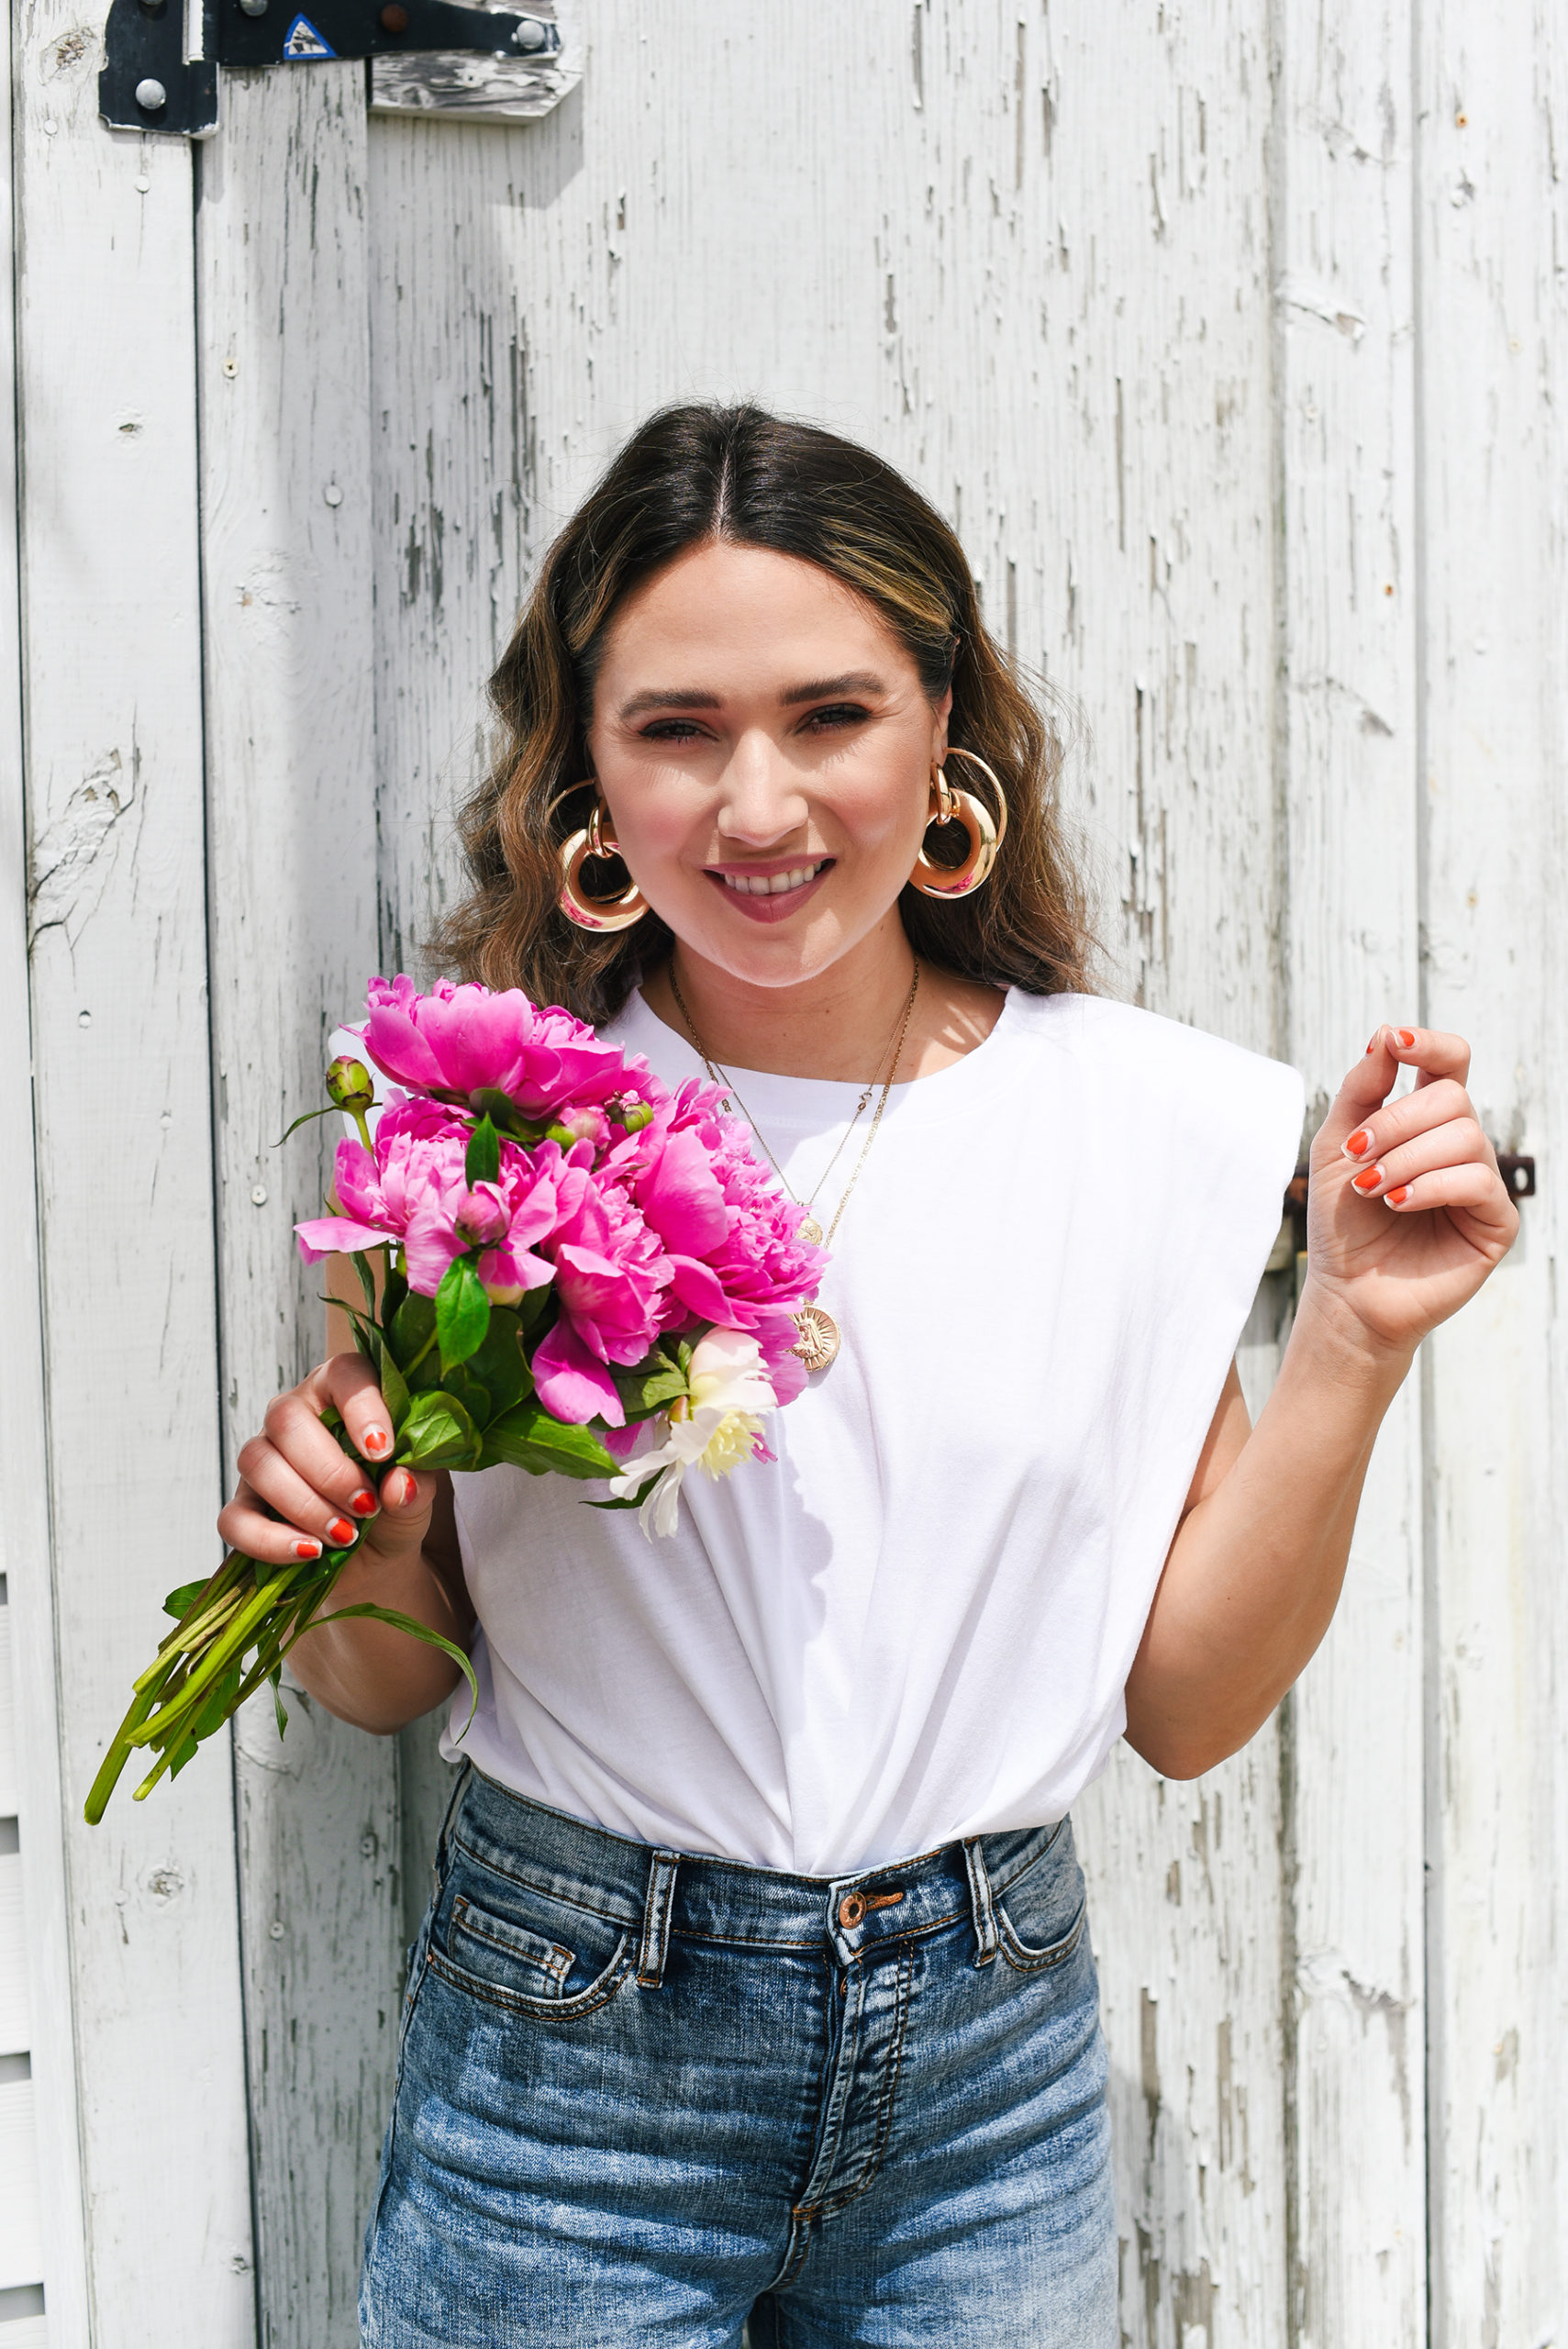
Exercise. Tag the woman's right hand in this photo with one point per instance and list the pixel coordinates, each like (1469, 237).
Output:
(298, 1490)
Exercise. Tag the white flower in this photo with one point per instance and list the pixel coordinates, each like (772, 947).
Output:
(714, 1426)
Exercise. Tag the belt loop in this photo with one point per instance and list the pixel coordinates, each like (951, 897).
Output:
(656, 1919)
(439, 1857)
(980, 1902)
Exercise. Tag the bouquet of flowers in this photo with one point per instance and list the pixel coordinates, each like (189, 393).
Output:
(564, 1266)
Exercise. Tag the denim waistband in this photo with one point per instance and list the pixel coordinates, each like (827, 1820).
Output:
(657, 1893)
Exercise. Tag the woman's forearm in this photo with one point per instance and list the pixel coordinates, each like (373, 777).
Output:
(1255, 1573)
(366, 1672)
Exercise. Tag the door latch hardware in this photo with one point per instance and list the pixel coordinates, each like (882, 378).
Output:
(148, 84)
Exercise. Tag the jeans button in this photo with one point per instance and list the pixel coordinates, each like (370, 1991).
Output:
(851, 1908)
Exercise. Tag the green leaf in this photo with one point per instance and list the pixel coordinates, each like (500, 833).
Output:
(475, 1397)
(179, 1602)
(416, 1630)
(633, 1500)
(437, 1433)
(393, 1387)
(279, 1707)
(504, 1114)
(526, 1437)
(463, 1311)
(649, 1385)
(411, 1328)
(482, 1164)
(537, 1307)
(500, 1363)
(332, 1110)
(217, 1705)
(367, 1278)
(393, 1289)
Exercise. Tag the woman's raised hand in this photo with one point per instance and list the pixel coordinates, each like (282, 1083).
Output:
(299, 1492)
(1407, 1212)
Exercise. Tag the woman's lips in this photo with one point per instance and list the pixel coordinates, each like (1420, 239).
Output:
(777, 905)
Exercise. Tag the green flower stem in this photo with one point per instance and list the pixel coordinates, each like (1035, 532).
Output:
(231, 1641)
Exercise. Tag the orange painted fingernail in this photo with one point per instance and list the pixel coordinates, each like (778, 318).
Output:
(375, 1441)
(1356, 1145)
(308, 1549)
(1397, 1196)
(1372, 1046)
(404, 1493)
(1406, 1036)
(339, 1531)
(363, 1504)
(1368, 1179)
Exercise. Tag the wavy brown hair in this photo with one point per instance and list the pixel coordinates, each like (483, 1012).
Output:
(689, 475)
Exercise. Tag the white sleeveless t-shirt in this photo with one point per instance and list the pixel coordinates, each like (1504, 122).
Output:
(917, 1622)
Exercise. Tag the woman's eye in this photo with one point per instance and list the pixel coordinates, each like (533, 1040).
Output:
(671, 730)
(839, 714)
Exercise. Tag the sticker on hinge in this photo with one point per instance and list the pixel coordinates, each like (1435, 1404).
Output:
(303, 42)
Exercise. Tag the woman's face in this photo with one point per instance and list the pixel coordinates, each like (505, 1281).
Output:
(765, 749)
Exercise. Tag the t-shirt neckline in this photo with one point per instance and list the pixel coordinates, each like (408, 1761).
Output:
(812, 1100)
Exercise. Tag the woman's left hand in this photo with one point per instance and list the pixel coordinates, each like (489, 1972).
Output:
(1407, 1212)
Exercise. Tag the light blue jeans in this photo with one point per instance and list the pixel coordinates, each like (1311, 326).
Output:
(642, 2097)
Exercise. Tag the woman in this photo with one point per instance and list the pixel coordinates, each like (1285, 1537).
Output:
(757, 1981)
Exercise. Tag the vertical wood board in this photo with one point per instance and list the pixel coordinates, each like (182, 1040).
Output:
(287, 575)
(1347, 598)
(114, 782)
(45, 2164)
(1493, 224)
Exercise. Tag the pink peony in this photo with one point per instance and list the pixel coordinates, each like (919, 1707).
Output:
(459, 1042)
(610, 1277)
(413, 1189)
(731, 1233)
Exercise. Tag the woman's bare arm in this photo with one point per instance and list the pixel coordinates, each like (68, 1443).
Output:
(1408, 1216)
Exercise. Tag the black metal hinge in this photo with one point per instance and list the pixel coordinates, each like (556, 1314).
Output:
(148, 84)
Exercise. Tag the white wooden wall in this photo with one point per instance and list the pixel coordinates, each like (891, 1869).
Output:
(1234, 338)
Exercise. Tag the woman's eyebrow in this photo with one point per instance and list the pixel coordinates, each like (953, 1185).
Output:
(668, 698)
(855, 681)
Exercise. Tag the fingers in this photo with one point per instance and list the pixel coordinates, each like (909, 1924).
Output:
(1437, 1058)
(299, 1493)
(348, 1382)
(1474, 1194)
(1458, 1141)
(247, 1525)
(1442, 1108)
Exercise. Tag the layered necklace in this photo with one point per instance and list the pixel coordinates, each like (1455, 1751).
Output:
(818, 1339)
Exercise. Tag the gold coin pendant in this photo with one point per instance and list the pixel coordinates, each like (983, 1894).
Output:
(808, 1231)
(818, 1339)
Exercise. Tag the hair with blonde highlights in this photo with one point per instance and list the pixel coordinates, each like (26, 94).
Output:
(687, 476)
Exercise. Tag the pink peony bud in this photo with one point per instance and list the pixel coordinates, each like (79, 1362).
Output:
(482, 1216)
(581, 1125)
(349, 1084)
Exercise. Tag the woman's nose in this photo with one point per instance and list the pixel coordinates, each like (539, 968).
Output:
(762, 800)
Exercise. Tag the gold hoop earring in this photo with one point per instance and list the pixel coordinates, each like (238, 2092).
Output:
(595, 913)
(986, 833)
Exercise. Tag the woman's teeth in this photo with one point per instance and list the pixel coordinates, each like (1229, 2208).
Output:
(776, 883)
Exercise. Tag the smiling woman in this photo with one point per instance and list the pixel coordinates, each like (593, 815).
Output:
(757, 1984)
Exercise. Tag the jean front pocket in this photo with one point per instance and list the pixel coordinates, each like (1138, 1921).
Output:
(518, 1945)
(1042, 1912)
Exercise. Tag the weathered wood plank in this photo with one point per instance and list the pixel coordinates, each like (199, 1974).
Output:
(1349, 596)
(286, 513)
(114, 780)
(48, 2169)
(1493, 224)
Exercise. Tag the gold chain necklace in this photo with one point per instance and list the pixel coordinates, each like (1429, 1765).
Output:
(818, 1339)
